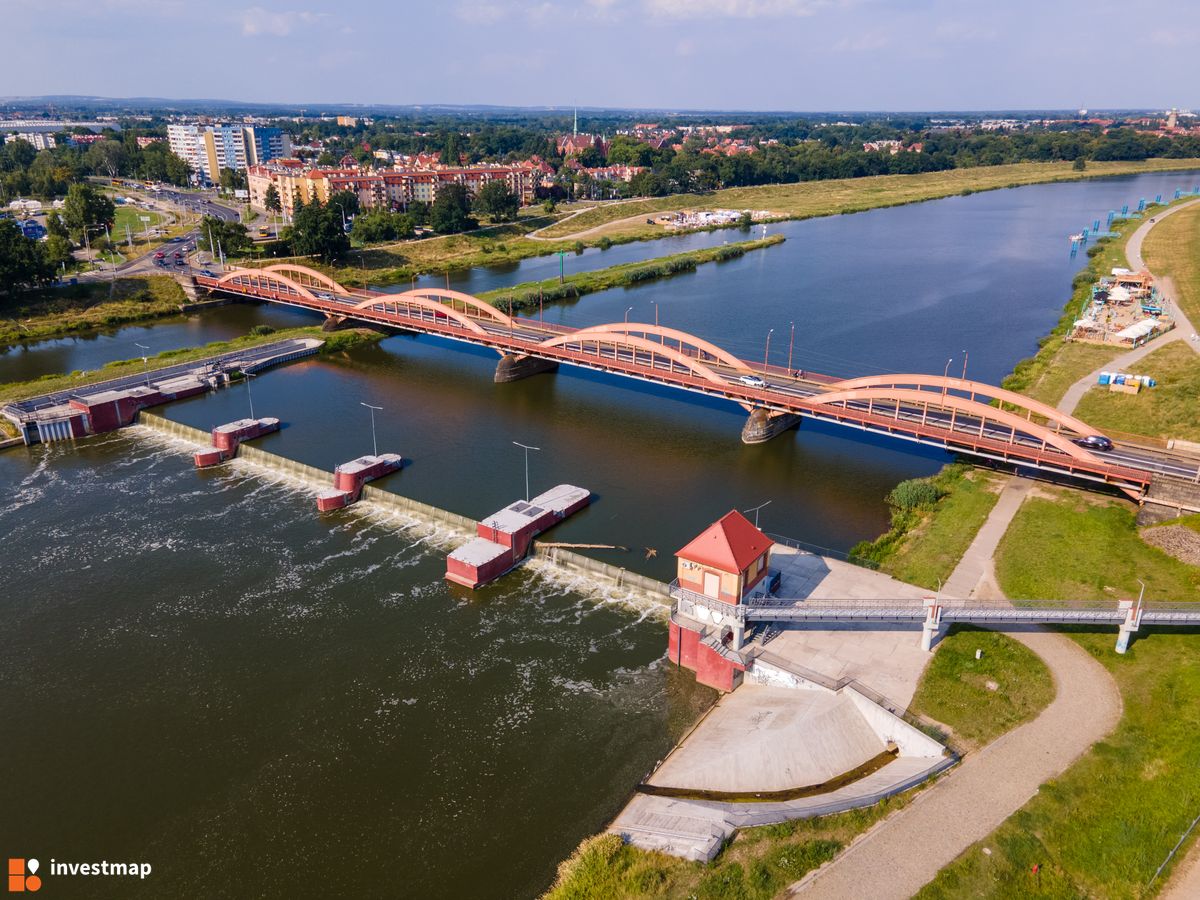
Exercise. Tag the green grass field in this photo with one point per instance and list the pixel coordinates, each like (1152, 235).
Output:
(982, 698)
(1173, 248)
(1171, 410)
(1104, 827)
(129, 215)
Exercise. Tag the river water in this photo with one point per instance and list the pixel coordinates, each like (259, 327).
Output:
(203, 674)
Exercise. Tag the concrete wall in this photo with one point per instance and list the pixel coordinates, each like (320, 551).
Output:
(603, 572)
(910, 740)
(773, 676)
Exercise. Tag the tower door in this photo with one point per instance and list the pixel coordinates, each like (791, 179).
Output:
(712, 585)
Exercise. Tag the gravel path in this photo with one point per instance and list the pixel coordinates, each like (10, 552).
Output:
(1183, 327)
(904, 852)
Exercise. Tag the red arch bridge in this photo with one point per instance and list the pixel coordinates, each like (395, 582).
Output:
(959, 415)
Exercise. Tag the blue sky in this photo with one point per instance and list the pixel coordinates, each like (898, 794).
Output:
(732, 54)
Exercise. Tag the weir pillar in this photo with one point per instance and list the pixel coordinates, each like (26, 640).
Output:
(1133, 620)
(764, 424)
(515, 366)
(932, 623)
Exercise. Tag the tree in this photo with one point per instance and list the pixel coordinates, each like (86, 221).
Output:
(346, 201)
(497, 202)
(451, 211)
(106, 158)
(233, 180)
(55, 226)
(317, 231)
(379, 225)
(272, 200)
(86, 206)
(230, 238)
(1080, 164)
(58, 252)
(23, 263)
(451, 152)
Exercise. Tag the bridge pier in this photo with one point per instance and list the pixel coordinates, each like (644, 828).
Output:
(762, 425)
(931, 625)
(1133, 620)
(515, 366)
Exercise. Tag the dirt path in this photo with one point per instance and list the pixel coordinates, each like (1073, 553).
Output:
(587, 232)
(905, 851)
(1183, 330)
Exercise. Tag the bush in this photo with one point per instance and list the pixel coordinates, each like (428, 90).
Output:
(259, 330)
(915, 493)
(604, 243)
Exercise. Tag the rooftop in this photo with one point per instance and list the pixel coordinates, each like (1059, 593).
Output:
(730, 544)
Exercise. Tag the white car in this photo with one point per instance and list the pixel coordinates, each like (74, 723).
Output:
(752, 381)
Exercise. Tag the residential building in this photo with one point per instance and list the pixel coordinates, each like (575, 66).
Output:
(41, 140)
(211, 148)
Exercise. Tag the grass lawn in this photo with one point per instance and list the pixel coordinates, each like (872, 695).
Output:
(757, 864)
(1173, 248)
(1075, 546)
(1171, 410)
(823, 198)
(34, 315)
(129, 215)
(1104, 827)
(1071, 362)
(924, 545)
(982, 698)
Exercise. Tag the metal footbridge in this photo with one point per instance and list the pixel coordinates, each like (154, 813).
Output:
(954, 414)
(932, 613)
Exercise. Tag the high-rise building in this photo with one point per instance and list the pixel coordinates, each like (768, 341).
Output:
(211, 148)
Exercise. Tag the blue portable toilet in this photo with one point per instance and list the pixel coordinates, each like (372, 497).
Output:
(1105, 377)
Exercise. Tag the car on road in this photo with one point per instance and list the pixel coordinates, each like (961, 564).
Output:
(1095, 442)
(209, 273)
(159, 255)
(752, 381)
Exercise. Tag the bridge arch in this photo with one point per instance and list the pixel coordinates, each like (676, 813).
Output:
(619, 339)
(1059, 419)
(683, 340)
(265, 279)
(306, 277)
(986, 413)
(432, 300)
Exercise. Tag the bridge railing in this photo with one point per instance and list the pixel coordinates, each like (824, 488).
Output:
(818, 550)
(686, 602)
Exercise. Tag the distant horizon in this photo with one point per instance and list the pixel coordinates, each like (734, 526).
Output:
(770, 55)
(166, 102)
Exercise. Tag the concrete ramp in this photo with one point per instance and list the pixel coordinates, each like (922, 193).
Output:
(762, 738)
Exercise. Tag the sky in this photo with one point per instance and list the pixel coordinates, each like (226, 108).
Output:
(674, 54)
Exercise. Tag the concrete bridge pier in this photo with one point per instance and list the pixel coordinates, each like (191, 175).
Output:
(333, 323)
(1133, 620)
(764, 424)
(932, 624)
(515, 366)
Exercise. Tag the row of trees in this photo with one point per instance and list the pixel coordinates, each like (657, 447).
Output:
(28, 172)
(25, 263)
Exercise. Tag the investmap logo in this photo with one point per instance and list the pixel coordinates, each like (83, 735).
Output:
(22, 875)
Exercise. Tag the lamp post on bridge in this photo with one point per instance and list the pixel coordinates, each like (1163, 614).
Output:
(791, 344)
(145, 363)
(373, 409)
(945, 376)
(249, 393)
(767, 351)
(527, 448)
(627, 312)
(964, 374)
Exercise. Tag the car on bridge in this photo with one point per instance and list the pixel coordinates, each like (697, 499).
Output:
(1095, 442)
(209, 273)
(752, 381)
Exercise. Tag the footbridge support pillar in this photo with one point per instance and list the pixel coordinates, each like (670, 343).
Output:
(932, 624)
(764, 424)
(515, 366)
(1133, 620)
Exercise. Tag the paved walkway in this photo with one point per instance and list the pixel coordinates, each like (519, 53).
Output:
(1183, 330)
(905, 851)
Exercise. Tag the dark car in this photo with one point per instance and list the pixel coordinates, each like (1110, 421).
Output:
(209, 273)
(1095, 442)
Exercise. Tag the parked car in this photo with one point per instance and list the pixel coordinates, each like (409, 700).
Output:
(1095, 442)
(752, 381)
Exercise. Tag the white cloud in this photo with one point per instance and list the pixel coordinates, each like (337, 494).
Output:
(864, 42)
(733, 9)
(257, 21)
(479, 13)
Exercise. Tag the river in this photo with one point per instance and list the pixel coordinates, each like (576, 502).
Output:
(203, 674)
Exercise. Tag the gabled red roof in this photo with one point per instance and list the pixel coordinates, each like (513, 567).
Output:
(729, 544)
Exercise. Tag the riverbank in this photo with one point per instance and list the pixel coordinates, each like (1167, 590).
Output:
(55, 312)
(809, 199)
(529, 294)
(335, 342)
(506, 244)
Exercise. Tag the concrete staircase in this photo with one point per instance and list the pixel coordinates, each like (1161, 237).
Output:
(682, 828)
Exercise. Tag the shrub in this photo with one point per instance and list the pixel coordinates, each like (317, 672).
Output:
(259, 330)
(915, 493)
(604, 243)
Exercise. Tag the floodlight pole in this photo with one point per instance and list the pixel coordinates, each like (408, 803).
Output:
(527, 449)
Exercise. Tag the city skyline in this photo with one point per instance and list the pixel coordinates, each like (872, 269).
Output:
(778, 55)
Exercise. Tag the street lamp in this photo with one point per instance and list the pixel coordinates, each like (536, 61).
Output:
(373, 409)
(964, 375)
(249, 394)
(627, 312)
(755, 511)
(145, 362)
(791, 344)
(945, 376)
(767, 352)
(527, 449)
